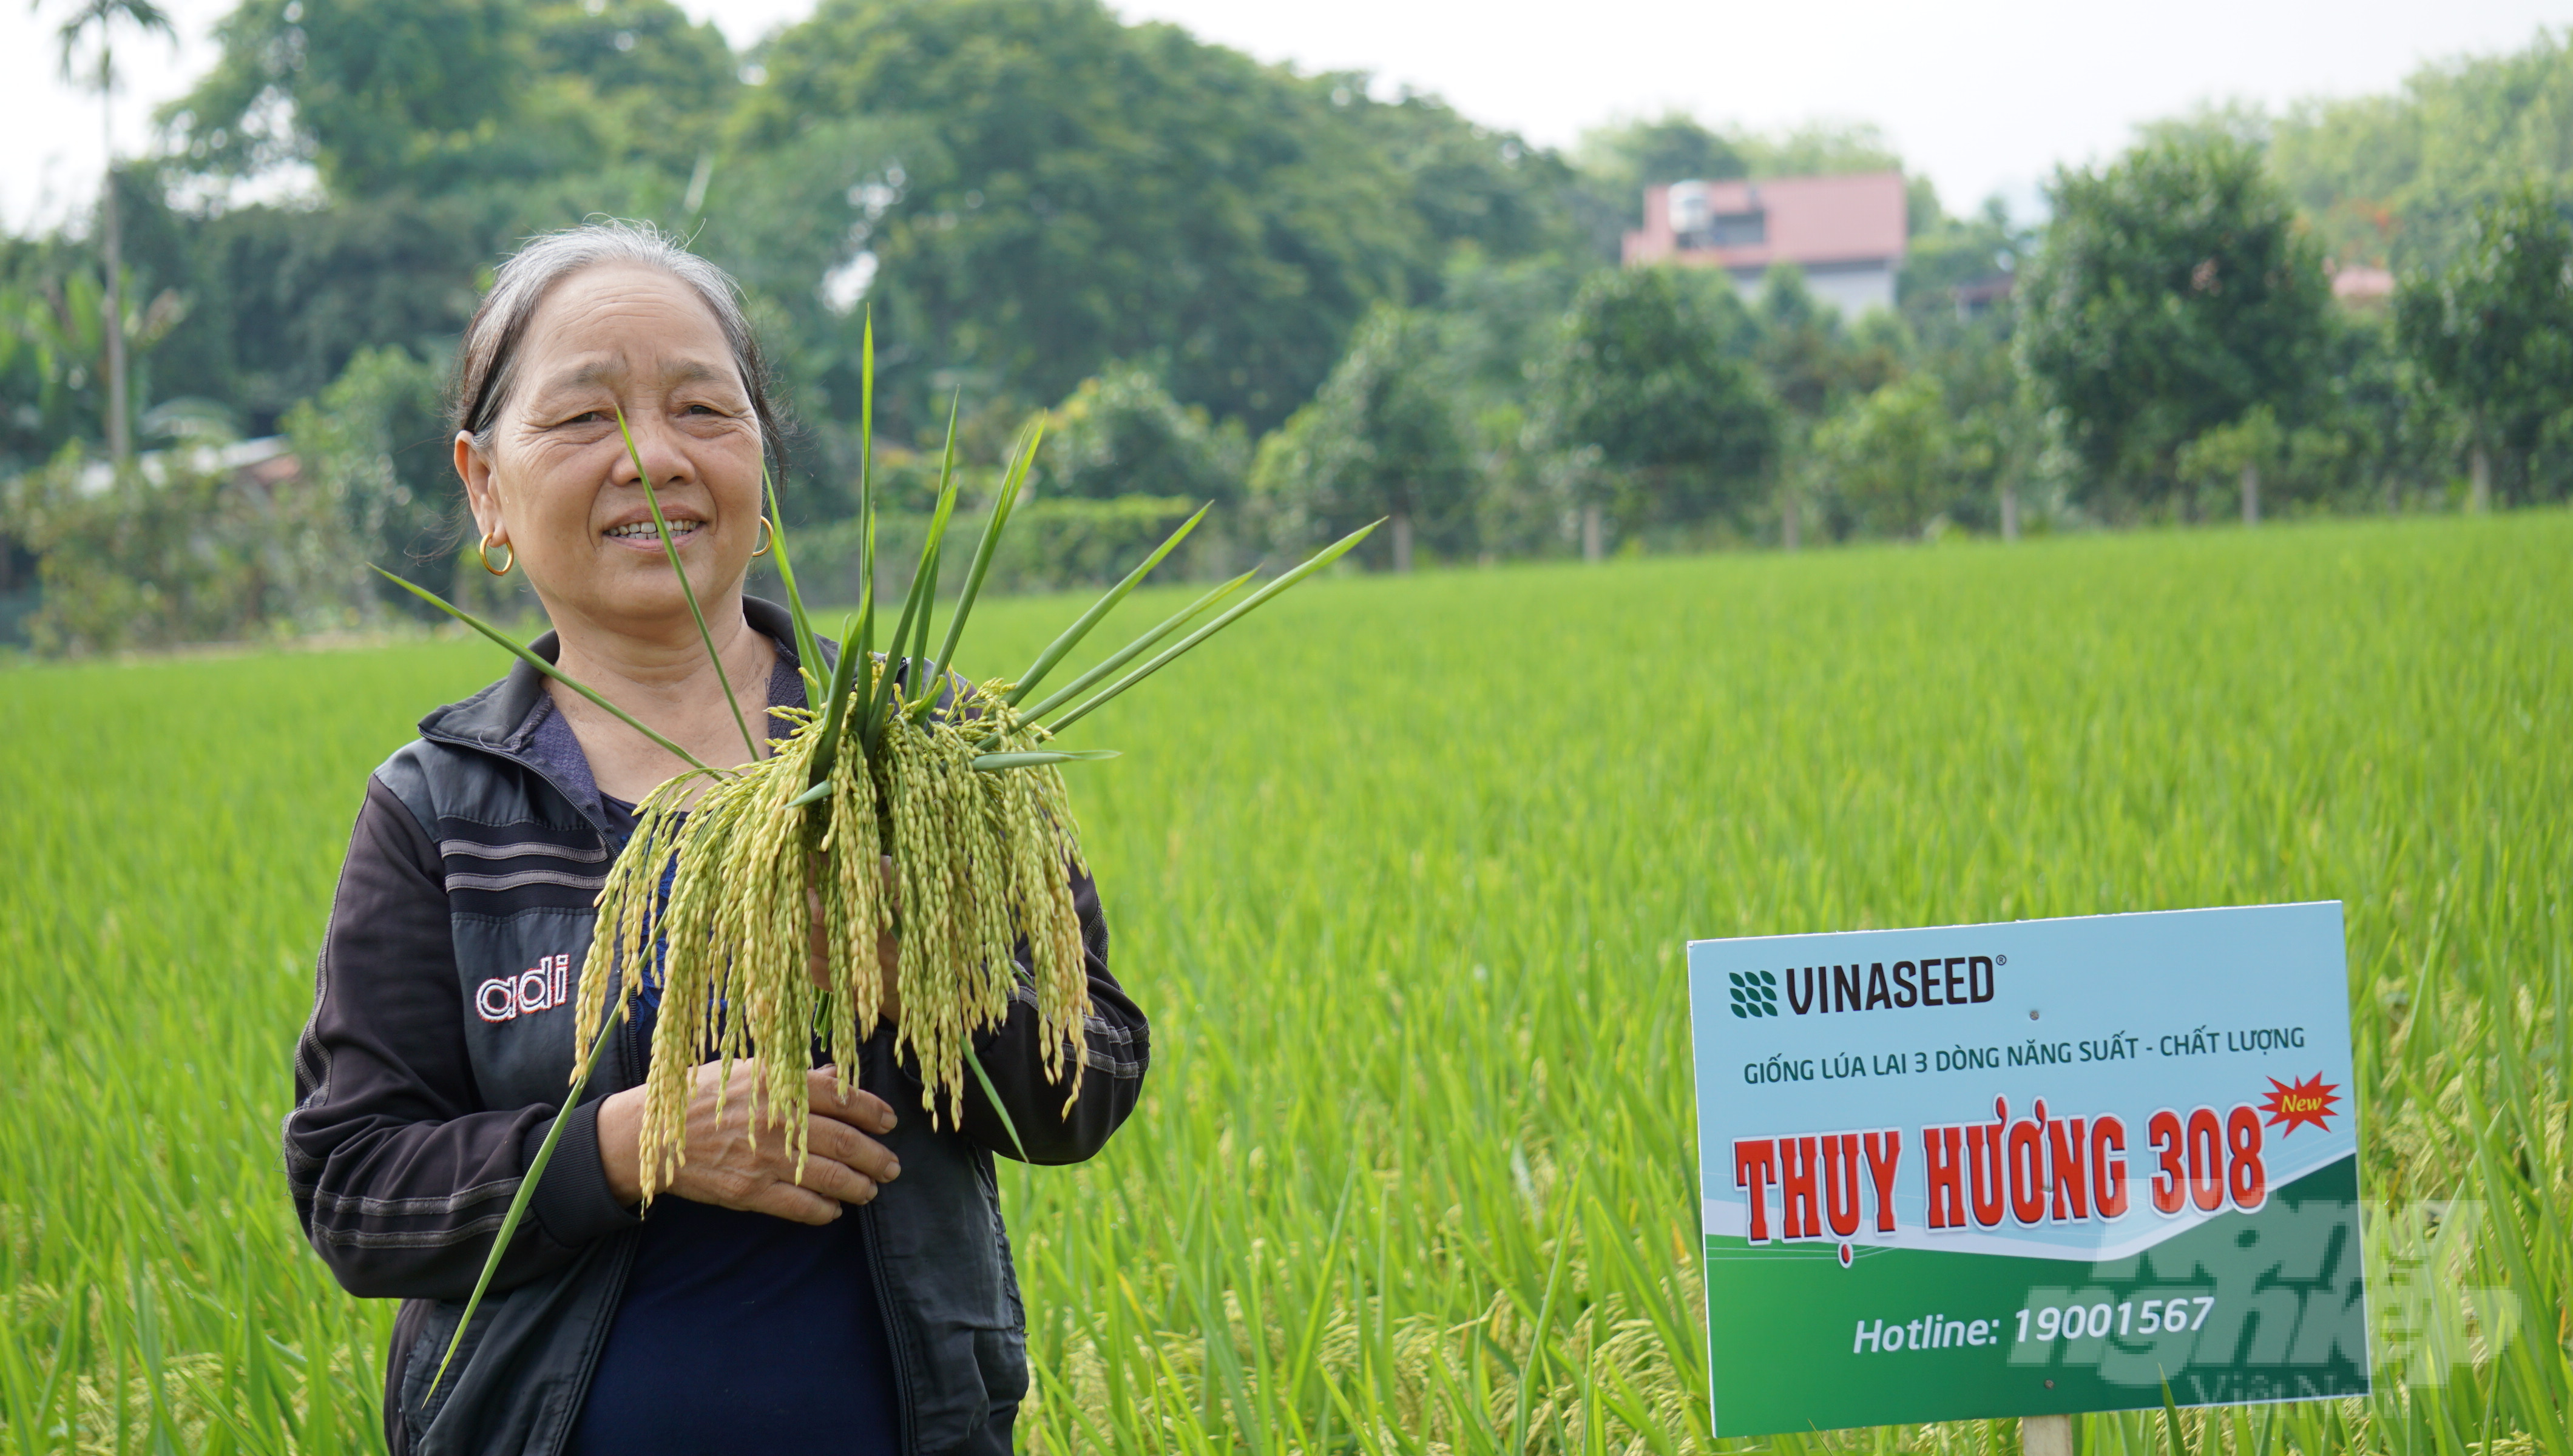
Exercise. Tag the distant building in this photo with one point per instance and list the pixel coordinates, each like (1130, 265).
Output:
(1981, 297)
(2359, 286)
(1845, 233)
(262, 464)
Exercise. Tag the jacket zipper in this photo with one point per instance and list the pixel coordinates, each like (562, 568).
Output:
(894, 1344)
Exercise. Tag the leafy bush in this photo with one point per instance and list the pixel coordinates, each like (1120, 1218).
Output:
(2176, 292)
(1385, 438)
(1648, 383)
(180, 547)
(1887, 459)
(2492, 335)
(1121, 433)
(1052, 544)
(376, 442)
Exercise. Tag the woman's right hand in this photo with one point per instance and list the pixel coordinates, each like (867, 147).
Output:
(845, 1163)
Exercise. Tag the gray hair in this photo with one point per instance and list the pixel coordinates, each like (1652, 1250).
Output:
(486, 365)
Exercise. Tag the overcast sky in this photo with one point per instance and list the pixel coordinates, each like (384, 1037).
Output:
(1984, 96)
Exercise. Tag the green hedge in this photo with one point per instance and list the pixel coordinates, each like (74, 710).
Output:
(1051, 544)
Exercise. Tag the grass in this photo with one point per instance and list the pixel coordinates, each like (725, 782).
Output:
(1401, 872)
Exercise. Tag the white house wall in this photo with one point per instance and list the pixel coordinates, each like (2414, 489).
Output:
(1852, 291)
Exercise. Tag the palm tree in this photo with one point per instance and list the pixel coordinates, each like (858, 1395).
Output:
(101, 17)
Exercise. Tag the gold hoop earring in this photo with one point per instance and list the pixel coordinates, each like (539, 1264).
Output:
(768, 537)
(482, 548)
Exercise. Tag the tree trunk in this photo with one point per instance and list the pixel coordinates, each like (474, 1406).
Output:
(120, 444)
(1592, 547)
(2250, 496)
(1403, 542)
(2010, 510)
(1789, 527)
(2479, 479)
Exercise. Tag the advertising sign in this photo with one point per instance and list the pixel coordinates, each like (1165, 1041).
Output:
(2030, 1168)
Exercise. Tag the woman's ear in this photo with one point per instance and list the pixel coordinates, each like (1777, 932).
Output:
(475, 472)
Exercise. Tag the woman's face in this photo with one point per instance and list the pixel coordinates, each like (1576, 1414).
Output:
(562, 491)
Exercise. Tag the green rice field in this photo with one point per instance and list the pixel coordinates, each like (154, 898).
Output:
(1403, 868)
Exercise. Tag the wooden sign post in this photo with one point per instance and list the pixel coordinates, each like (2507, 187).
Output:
(2048, 1435)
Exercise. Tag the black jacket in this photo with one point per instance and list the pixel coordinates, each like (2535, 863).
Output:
(437, 1055)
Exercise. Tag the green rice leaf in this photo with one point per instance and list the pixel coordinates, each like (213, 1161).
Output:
(1073, 634)
(670, 549)
(548, 668)
(1137, 648)
(920, 639)
(993, 1093)
(927, 578)
(1571, 1198)
(1321, 558)
(527, 1189)
(924, 585)
(835, 713)
(810, 661)
(866, 642)
(1028, 439)
(992, 763)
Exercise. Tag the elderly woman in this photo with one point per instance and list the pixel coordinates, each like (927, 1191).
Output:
(868, 1302)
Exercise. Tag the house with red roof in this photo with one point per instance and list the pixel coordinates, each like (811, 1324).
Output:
(1847, 232)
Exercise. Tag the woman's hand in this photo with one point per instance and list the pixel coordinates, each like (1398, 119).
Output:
(888, 949)
(845, 1163)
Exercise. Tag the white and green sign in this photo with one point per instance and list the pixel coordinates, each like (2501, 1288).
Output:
(2030, 1168)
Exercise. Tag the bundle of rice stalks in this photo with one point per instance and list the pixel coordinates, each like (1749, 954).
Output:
(957, 784)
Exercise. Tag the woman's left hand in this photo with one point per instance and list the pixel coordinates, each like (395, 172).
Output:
(888, 948)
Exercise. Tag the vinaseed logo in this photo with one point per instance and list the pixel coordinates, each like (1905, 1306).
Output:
(1754, 994)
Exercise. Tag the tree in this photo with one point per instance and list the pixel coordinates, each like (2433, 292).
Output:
(1648, 382)
(1023, 191)
(1084, 191)
(1819, 149)
(1471, 188)
(1813, 366)
(2236, 454)
(1950, 253)
(98, 20)
(282, 299)
(2493, 333)
(2378, 413)
(376, 442)
(2174, 291)
(1963, 341)
(1384, 437)
(1121, 433)
(2397, 180)
(1887, 457)
(426, 97)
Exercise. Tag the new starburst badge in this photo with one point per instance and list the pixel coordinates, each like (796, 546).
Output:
(2295, 1104)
